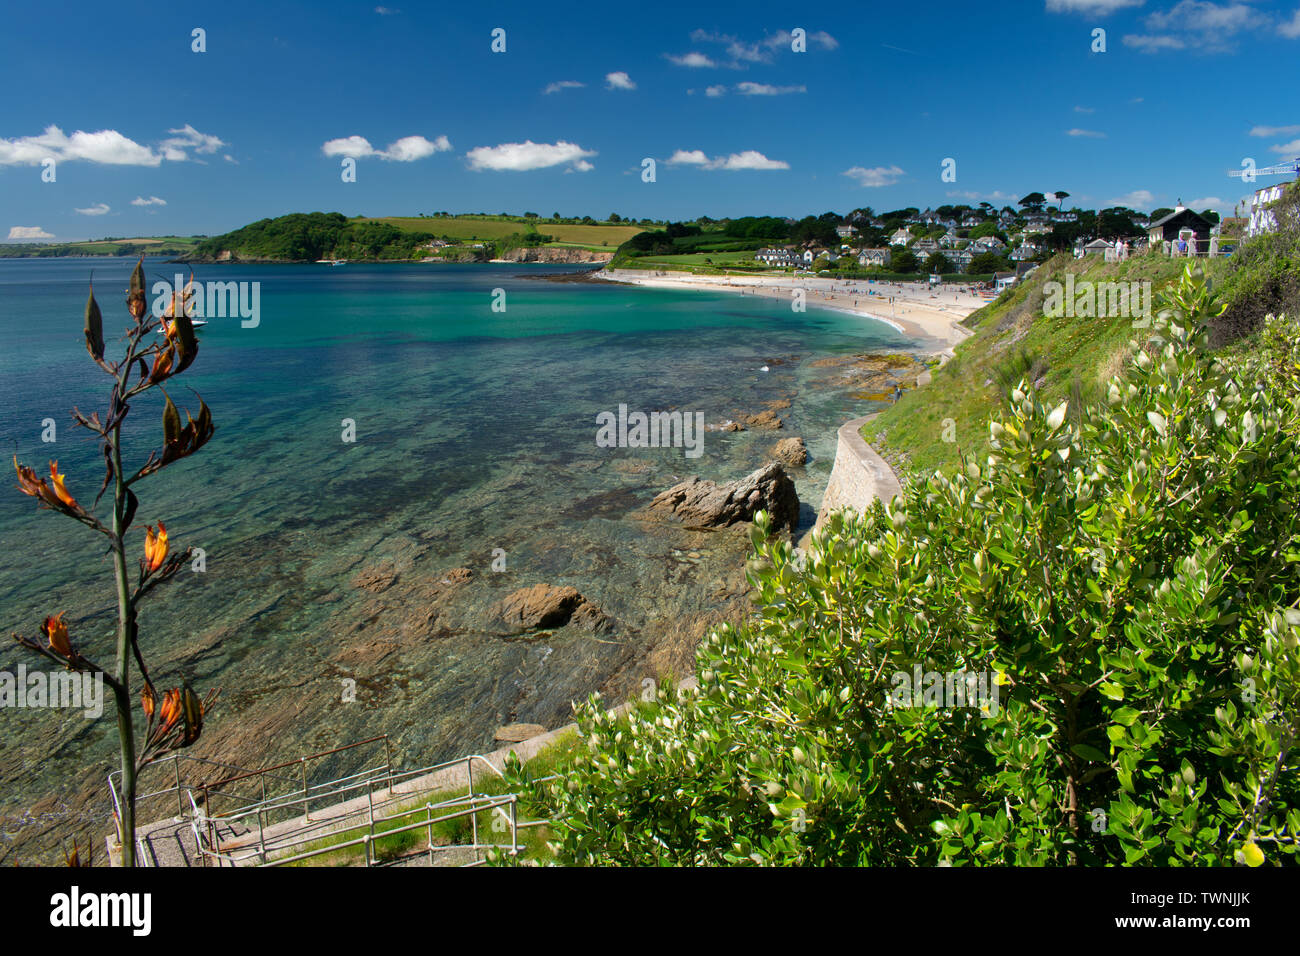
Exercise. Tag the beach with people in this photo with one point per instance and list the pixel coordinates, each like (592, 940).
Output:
(916, 309)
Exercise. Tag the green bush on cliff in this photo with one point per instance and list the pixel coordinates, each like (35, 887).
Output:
(1125, 578)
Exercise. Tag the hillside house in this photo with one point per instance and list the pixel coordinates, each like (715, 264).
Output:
(1262, 219)
(844, 232)
(874, 257)
(1181, 222)
(901, 237)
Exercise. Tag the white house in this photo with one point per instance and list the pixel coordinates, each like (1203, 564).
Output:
(777, 257)
(845, 231)
(1262, 219)
(873, 257)
(901, 237)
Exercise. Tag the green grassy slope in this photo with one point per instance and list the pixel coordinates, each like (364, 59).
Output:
(933, 427)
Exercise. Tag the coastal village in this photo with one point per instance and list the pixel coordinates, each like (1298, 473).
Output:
(998, 247)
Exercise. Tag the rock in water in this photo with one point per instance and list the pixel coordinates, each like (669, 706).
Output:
(706, 504)
(791, 451)
(547, 606)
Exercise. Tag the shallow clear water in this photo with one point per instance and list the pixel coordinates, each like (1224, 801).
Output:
(475, 431)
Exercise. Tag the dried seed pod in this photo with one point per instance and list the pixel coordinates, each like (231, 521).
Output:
(94, 327)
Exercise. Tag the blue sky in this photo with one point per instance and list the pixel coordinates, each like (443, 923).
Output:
(150, 137)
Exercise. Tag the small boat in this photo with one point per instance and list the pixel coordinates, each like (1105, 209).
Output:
(197, 323)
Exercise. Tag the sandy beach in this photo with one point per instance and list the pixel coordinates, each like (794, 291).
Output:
(910, 307)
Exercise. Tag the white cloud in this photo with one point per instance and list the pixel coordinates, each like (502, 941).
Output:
(619, 81)
(1086, 133)
(106, 146)
(404, 150)
(781, 40)
(876, 176)
(691, 59)
(1153, 44)
(176, 147)
(1084, 109)
(995, 196)
(765, 89)
(386, 11)
(1202, 25)
(1208, 202)
(28, 232)
(746, 159)
(693, 157)
(99, 209)
(1289, 149)
(151, 201)
(1271, 131)
(230, 159)
(563, 85)
(1290, 28)
(715, 91)
(518, 157)
(1091, 7)
(1137, 199)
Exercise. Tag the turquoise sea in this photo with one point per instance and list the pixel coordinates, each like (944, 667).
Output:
(475, 435)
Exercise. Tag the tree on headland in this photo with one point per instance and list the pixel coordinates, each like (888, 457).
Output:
(174, 718)
(1033, 202)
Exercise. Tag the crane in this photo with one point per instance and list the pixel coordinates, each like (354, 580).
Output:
(1289, 168)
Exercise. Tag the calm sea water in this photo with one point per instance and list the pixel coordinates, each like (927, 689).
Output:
(475, 431)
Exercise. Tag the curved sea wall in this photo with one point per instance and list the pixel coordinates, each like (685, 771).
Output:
(858, 476)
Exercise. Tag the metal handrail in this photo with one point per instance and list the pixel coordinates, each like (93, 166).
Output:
(337, 789)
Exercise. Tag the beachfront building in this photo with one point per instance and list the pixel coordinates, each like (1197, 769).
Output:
(925, 246)
(874, 257)
(1262, 219)
(1181, 225)
(1003, 280)
(778, 257)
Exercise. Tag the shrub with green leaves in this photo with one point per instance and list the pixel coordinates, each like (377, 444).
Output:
(1128, 577)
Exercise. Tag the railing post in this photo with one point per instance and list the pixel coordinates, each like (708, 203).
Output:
(261, 836)
(306, 806)
(473, 824)
(180, 801)
(514, 825)
(388, 760)
(428, 812)
(365, 845)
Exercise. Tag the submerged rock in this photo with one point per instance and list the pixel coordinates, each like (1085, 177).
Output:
(765, 419)
(547, 606)
(790, 451)
(701, 504)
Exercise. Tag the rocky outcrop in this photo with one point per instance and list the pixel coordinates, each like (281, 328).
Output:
(707, 505)
(555, 255)
(545, 606)
(791, 451)
(518, 733)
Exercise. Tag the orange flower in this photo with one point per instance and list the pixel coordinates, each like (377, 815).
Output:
(155, 546)
(59, 489)
(56, 632)
(29, 484)
(147, 699)
(170, 711)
